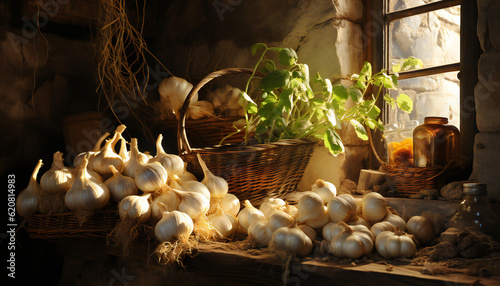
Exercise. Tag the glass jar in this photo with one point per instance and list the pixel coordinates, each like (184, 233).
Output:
(399, 140)
(476, 212)
(435, 143)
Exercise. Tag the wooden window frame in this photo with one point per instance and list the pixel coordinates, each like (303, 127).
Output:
(375, 11)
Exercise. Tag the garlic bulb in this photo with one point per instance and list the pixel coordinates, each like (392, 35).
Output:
(226, 98)
(29, 198)
(374, 207)
(325, 190)
(97, 147)
(174, 91)
(379, 227)
(59, 178)
(395, 244)
(106, 157)
(149, 177)
(120, 185)
(217, 186)
(230, 204)
(320, 221)
(341, 208)
(249, 215)
(279, 219)
(135, 207)
(292, 239)
(173, 225)
(309, 231)
(170, 202)
(224, 223)
(357, 220)
(260, 232)
(333, 228)
(310, 206)
(192, 203)
(187, 176)
(352, 243)
(269, 205)
(173, 164)
(422, 228)
(87, 193)
(395, 219)
(200, 109)
(190, 186)
(132, 164)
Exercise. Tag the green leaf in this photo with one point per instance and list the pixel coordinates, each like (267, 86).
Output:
(340, 92)
(332, 118)
(412, 63)
(288, 56)
(359, 129)
(373, 112)
(285, 99)
(251, 106)
(372, 123)
(355, 94)
(391, 101)
(384, 80)
(366, 71)
(404, 102)
(257, 47)
(333, 142)
(275, 79)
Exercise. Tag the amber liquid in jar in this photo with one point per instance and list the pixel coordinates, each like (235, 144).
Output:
(435, 143)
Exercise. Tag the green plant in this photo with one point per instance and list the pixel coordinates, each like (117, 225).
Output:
(289, 104)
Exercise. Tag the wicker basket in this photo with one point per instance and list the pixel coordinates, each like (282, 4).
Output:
(409, 181)
(253, 172)
(206, 131)
(66, 224)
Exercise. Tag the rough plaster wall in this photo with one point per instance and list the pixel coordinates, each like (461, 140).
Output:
(487, 95)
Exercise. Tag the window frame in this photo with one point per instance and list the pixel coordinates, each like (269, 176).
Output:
(376, 25)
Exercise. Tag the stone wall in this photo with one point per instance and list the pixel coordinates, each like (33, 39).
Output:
(487, 97)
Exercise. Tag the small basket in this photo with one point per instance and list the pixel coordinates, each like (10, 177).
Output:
(409, 181)
(67, 225)
(253, 172)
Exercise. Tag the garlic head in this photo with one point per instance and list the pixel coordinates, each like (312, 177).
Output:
(310, 206)
(173, 164)
(325, 190)
(260, 232)
(173, 225)
(249, 215)
(224, 223)
(279, 219)
(120, 185)
(269, 205)
(192, 203)
(217, 186)
(373, 207)
(170, 201)
(59, 178)
(29, 198)
(292, 239)
(230, 204)
(135, 207)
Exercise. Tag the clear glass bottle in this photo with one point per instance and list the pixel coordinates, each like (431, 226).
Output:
(476, 212)
(435, 143)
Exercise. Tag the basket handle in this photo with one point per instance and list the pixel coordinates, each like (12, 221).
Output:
(182, 141)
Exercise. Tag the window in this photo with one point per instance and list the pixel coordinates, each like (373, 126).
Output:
(441, 34)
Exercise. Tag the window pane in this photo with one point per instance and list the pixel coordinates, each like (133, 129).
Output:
(435, 95)
(396, 5)
(432, 37)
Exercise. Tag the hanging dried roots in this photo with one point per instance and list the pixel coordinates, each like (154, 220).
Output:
(174, 252)
(51, 203)
(204, 230)
(82, 216)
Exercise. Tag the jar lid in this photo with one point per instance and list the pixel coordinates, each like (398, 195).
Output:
(435, 120)
(473, 188)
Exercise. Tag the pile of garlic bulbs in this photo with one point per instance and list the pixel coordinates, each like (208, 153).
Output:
(343, 225)
(222, 102)
(154, 190)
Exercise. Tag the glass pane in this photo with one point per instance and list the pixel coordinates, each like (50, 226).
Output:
(435, 95)
(396, 5)
(432, 37)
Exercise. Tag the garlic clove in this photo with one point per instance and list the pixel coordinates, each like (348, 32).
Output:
(107, 156)
(29, 198)
(97, 147)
